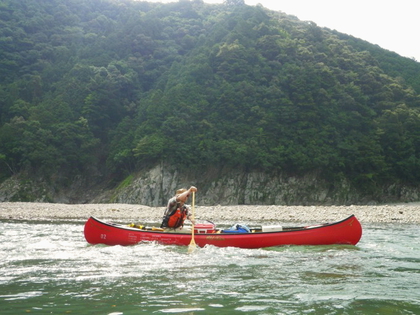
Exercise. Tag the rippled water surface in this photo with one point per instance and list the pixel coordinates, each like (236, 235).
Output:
(48, 268)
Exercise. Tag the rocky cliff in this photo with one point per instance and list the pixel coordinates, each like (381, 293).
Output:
(222, 186)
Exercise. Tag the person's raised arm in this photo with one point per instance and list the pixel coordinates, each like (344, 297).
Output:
(184, 196)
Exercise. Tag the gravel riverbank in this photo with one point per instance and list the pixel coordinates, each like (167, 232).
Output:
(401, 213)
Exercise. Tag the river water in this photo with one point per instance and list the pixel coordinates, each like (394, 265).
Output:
(48, 268)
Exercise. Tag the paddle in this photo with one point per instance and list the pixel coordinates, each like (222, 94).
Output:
(192, 245)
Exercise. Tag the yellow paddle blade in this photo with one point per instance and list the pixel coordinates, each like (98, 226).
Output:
(192, 247)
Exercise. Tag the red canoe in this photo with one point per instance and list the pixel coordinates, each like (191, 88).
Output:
(348, 231)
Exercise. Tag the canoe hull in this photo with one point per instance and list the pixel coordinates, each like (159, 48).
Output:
(347, 231)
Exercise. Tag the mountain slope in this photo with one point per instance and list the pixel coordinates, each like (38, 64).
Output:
(108, 88)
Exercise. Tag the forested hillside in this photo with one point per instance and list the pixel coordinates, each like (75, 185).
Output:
(105, 88)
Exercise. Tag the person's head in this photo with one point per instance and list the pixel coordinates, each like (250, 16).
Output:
(180, 191)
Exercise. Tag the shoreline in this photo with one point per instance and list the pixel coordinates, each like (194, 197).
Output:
(393, 213)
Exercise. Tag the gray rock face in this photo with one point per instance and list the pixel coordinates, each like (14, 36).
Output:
(155, 186)
(233, 187)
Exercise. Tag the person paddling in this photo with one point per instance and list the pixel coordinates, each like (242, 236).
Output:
(177, 211)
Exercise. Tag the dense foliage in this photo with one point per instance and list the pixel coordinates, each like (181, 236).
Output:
(117, 85)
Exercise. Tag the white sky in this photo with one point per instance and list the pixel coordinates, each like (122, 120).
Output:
(391, 24)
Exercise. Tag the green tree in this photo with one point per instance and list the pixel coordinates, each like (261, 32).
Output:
(234, 2)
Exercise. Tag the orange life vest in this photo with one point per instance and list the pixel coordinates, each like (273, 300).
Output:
(176, 218)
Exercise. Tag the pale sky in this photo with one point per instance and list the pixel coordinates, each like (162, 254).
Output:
(393, 25)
